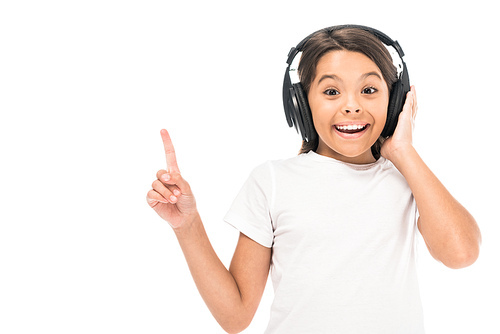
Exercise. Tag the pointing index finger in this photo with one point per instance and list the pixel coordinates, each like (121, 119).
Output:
(169, 151)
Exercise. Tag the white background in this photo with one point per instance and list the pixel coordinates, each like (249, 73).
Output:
(86, 86)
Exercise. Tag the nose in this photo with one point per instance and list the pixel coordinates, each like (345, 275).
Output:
(352, 105)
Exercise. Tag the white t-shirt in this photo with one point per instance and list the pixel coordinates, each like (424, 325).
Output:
(343, 239)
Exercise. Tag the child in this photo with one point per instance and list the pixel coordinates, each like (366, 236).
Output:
(336, 225)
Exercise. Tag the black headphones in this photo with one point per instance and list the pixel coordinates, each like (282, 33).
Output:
(295, 102)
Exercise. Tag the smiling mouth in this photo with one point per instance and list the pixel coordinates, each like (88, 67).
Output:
(351, 128)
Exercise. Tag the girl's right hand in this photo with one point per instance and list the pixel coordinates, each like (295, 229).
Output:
(171, 196)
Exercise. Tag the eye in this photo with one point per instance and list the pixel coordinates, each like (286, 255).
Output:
(331, 92)
(369, 90)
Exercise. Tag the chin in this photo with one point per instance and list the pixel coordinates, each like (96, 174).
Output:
(351, 146)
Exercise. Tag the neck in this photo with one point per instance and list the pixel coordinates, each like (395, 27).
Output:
(362, 159)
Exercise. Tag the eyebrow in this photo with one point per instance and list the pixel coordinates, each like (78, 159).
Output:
(335, 77)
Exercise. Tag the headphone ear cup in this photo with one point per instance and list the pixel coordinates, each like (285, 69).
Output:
(396, 101)
(306, 122)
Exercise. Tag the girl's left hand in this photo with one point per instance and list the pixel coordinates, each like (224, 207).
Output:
(401, 140)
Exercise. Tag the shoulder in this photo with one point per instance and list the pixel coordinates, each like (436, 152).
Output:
(268, 171)
(265, 174)
(270, 166)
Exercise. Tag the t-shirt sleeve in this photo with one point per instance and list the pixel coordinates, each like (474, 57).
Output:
(250, 212)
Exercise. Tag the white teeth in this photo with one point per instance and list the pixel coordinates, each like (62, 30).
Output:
(350, 127)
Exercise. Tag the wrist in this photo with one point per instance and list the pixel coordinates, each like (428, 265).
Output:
(404, 158)
(399, 152)
(188, 226)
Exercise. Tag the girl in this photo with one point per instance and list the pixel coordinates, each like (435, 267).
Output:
(336, 224)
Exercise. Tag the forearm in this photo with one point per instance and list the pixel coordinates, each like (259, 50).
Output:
(449, 230)
(215, 283)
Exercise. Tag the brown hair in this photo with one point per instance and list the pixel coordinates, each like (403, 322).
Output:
(348, 39)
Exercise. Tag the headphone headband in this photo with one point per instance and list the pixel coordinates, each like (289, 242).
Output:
(380, 35)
